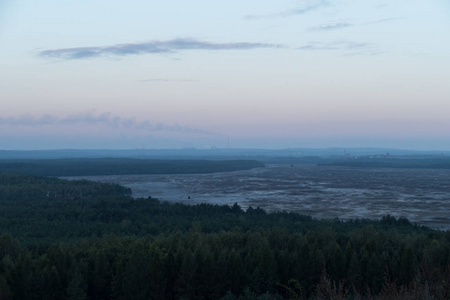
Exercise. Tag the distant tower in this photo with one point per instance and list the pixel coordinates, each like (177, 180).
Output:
(346, 154)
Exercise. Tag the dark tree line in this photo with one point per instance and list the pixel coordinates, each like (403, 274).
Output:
(120, 166)
(405, 162)
(230, 264)
(110, 246)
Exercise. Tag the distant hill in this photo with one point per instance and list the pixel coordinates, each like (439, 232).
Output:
(214, 153)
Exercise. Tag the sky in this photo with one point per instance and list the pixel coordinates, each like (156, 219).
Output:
(96, 74)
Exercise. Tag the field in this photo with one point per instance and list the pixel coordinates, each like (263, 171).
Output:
(421, 195)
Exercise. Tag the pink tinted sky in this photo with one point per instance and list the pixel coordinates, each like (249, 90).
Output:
(110, 74)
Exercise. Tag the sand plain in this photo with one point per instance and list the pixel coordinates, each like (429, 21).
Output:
(421, 195)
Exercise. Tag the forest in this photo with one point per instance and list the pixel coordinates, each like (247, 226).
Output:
(121, 166)
(85, 240)
(387, 161)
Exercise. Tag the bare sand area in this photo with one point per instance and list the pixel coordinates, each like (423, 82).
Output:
(421, 195)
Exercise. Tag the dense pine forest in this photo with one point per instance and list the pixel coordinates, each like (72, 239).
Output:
(120, 166)
(85, 240)
(387, 161)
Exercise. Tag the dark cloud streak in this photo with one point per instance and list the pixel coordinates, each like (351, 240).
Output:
(339, 45)
(103, 119)
(152, 47)
(341, 25)
(166, 80)
(334, 26)
(383, 20)
(291, 12)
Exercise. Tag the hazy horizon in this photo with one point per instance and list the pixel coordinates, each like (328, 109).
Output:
(255, 74)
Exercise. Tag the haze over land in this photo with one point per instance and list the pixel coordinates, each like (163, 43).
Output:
(254, 74)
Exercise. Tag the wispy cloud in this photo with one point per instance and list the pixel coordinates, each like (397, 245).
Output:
(165, 80)
(332, 26)
(100, 120)
(339, 45)
(345, 47)
(343, 24)
(312, 6)
(383, 20)
(152, 47)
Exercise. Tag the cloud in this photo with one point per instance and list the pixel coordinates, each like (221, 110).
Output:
(333, 26)
(165, 80)
(383, 20)
(155, 80)
(106, 119)
(341, 25)
(314, 5)
(152, 47)
(348, 47)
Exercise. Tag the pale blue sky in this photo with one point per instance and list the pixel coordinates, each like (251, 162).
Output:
(267, 74)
